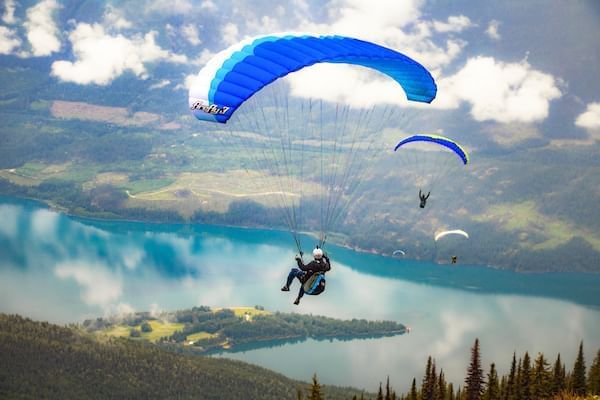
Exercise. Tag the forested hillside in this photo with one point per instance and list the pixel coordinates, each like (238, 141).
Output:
(41, 360)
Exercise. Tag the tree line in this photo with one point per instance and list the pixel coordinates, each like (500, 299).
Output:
(528, 379)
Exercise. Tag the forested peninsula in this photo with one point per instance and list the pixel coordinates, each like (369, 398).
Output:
(203, 330)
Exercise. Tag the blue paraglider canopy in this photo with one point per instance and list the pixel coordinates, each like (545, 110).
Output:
(441, 140)
(237, 73)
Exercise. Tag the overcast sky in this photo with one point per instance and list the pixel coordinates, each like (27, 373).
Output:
(509, 69)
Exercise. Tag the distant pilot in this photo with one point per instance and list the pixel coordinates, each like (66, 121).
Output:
(423, 198)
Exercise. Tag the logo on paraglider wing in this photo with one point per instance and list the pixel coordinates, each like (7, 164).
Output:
(209, 108)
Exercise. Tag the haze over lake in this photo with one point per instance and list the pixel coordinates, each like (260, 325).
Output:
(63, 269)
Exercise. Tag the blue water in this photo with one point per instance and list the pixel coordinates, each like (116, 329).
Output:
(64, 269)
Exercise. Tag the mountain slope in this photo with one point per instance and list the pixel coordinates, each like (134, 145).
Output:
(43, 360)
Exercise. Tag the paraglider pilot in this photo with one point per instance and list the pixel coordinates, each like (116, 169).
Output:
(320, 264)
(423, 198)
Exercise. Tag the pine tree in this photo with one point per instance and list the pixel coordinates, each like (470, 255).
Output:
(503, 381)
(434, 387)
(380, 393)
(315, 389)
(441, 386)
(558, 377)
(518, 395)
(388, 395)
(450, 391)
(594, 376)
(541, 378)
(511, 381)
(428, 385)
(413, 390)
(526, 378)
(578, 377)
(492, 390)
(474, 379)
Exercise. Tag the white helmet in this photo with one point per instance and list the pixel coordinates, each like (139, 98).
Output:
(317, 253)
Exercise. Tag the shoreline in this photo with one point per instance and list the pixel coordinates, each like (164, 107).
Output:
(48, 204)
(59, 209)
(256, 344)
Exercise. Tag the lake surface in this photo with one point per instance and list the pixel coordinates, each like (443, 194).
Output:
(64, 269)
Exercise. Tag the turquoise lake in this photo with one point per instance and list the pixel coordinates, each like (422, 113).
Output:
(64, 269)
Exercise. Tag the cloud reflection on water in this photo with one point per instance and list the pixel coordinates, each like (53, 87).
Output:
(99, 285)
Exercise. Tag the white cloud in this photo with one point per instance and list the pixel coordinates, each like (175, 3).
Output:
(114, 18)
(155, 310)
(590, 119)
(454, 24)
(44, 224)
(9, 12)
(452, 337)
(498, 91)
(42, 31)
(388, 13)
(132, 256)
(172, 7)
(190, 32)
(264, 24)
(9, 40)
(331, 82)
(118, 311)
(492, 30)
(230, 33)
(510, 134)
(392, 23)
(100, 286)
(302, 5)
(208, 5)
(188, 80)
(101, 57)
(203, 58)
(160, 84)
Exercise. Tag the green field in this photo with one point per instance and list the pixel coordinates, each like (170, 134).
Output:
(189, 192)
(241, 311)
(200, 335)
(148, 185)
(525, 217)
(165, 329)
(159, 329)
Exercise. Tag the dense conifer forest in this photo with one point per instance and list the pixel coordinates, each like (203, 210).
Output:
(42, 360)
